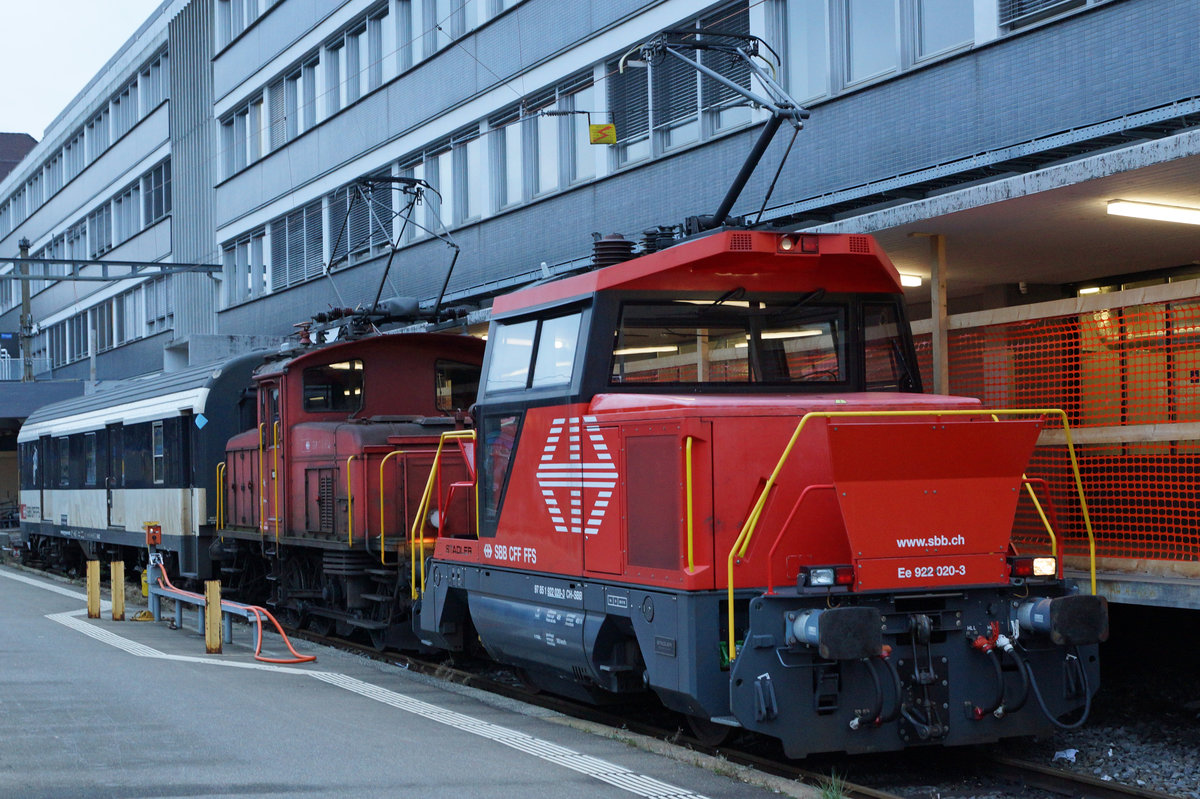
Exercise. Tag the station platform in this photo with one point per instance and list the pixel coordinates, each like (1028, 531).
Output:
(97, 708)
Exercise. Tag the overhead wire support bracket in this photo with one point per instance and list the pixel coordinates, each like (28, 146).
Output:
(136, 269)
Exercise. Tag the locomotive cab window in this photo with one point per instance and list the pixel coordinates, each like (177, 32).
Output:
(334, 387)
(537, 353)
(886, 358)
(457, 385)
(782, 340)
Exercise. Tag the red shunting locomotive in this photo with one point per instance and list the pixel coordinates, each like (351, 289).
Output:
(709, 472)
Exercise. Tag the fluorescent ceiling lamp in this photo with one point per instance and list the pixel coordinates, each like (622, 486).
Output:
(1162, 213)
(1089, 290)
(644, 350)
(910, 281)
(775, 334)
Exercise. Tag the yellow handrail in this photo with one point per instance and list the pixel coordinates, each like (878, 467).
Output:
(688, 474)
(275, 436)
(262, 482)
(1045, 521)
(417, 538)
(742, 542)
(382, 527)
(221, 497)
(349, 506)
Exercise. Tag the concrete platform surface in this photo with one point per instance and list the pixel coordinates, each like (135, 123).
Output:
(97, 708)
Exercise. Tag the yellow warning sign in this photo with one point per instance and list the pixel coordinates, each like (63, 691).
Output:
(602, 134)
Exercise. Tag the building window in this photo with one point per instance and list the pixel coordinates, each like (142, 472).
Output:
(1015, 13)
(125, 109)
(156, 193)
(659, 106)
(942, 26)
(73, 157)
(159, 297)
(833, 45)
(97, 135)
(126, 214)
(360, 220)
(296, 247)
(246, 275)
(99, 224)
(871, 44)
(234, 16)
(154, 83)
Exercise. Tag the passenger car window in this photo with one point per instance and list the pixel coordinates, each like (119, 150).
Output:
(334, 387)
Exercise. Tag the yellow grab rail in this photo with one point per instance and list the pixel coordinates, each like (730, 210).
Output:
(690, 528)
(275, 436)
(349, 506)
(1045, 521)
(417, 538)
(262, 482)
(742, 542)
(221, 497)
(382, 526)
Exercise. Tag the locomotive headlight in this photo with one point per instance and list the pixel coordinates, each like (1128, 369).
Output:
(786, 243)
(821, 577)
(435, 519)
(1044, 567)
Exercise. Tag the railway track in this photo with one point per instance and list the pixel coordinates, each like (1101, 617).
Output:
(1017, 774)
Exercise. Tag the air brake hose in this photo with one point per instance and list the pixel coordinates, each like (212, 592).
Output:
(994, 659)
(1037, 694)
(872, 713)
(1023, 672)
(894, 712)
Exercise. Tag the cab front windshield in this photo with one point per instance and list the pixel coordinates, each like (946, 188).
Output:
(794, 339)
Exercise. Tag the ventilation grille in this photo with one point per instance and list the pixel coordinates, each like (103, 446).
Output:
(860, 244)
(325, 502)
(741, 241)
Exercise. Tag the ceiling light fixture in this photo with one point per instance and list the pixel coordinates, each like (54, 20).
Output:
(1162, 213)
(910, 281)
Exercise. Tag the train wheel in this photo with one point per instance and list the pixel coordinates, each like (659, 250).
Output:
(378, 639)
(707, 732)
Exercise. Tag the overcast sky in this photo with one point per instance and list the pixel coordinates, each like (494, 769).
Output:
(52, 48)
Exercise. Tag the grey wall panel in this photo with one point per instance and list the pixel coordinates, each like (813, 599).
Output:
(193, 145)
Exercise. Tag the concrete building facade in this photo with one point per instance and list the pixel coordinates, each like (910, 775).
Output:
(981, 141)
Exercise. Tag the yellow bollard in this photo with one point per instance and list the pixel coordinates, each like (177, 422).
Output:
(145, 582)
(212, 617)
(93, 589)
(117, 582)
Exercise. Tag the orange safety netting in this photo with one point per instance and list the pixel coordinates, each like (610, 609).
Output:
(1114, 372)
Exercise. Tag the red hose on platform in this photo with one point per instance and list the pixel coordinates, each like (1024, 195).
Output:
(258, 612)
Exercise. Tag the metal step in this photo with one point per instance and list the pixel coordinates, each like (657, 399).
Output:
(378, 597)
(366, 624)
(382, 574)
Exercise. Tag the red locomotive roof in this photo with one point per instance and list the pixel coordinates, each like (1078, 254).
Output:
(753, 260)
